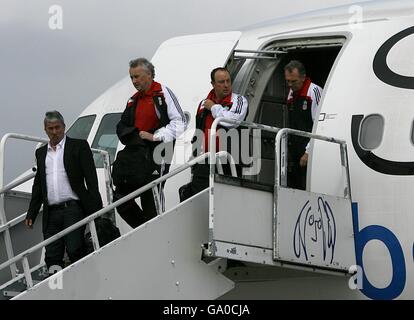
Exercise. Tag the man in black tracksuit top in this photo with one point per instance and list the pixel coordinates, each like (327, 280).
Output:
(302, 103)
(152, 116)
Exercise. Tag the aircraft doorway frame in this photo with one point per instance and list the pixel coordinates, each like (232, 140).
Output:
(251, 79)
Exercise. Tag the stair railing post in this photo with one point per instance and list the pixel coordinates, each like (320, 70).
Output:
(94, 235)
(27, 273)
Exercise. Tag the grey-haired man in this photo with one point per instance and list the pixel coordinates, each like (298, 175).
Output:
(66, 185)
(303, 105)
(153, 117)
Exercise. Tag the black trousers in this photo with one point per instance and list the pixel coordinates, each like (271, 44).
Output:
(58, 220)
(296, 176)
(130, 211)
(200, 179)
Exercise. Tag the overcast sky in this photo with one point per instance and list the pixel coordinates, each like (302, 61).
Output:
(66, 69)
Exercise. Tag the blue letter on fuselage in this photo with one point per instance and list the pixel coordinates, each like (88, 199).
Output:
(375, 232)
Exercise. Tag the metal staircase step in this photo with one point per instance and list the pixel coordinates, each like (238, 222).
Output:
(19, 286)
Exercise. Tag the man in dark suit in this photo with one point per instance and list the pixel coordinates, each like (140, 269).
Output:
(67, 185)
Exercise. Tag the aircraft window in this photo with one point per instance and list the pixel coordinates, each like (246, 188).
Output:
(106, 138)
(371, 131)
(81, 127)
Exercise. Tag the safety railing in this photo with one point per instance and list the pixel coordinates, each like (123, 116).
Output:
(17, 182)
(280, 172)
(157, 189)
(19, 277)
(9, 187)
(6, 225)
(90, 219)
(281, 155)
(281, 149)
(282, 160)
(212, 144)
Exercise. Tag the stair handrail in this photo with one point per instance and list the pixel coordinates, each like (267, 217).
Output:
(18, 182)
(21, 276)
(281, 161)
(90, 219)
(3, 219)
(212, 144)
(281, 166)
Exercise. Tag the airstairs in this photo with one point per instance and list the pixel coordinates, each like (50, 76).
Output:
(187, 251)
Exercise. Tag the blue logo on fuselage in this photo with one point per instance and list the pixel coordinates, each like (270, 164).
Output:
(380, 233)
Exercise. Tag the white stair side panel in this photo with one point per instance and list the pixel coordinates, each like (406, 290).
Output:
(314, 229)
(243, 216)
(158, 260)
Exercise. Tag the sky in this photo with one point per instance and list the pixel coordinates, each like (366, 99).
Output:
(48, 63)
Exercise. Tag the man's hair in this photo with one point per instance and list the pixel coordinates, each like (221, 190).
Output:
(52, 116)
(142, 62)
(295, 64)
(214, 71)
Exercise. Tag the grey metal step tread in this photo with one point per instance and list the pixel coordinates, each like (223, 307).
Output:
(19, 286)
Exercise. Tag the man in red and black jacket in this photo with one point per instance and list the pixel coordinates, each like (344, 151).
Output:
(302, 103)
(220, 102)
(152, 116)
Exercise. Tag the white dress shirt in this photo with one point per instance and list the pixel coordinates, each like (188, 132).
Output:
(57, 182)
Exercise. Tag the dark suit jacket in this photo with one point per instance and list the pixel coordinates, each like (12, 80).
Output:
(80, 169)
